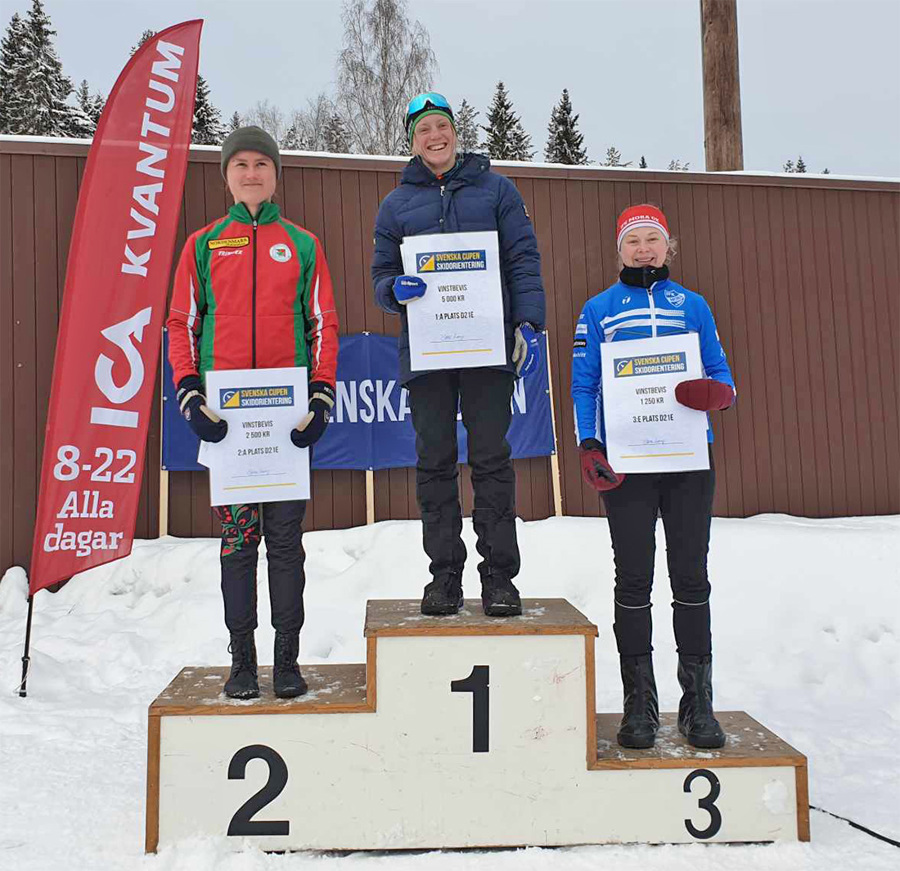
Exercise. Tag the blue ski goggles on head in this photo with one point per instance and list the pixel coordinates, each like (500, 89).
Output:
(427, 102)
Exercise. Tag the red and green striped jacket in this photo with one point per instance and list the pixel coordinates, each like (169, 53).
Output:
(253, 295)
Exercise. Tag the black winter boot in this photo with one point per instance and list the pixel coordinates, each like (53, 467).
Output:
(443, 595)
(242, 683)
(499, 597)
(641, 703)
(289, 683)
(696, 720)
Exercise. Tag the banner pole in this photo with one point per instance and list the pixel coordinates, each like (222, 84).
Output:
(554, 457)
(163, 525)
(26, 659)
(370, 497)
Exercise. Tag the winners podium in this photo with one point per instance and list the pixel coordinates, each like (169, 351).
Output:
(461, 731)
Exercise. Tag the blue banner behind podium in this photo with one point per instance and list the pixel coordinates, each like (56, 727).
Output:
(371, 427)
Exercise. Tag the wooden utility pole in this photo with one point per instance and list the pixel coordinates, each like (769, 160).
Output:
(723, 139)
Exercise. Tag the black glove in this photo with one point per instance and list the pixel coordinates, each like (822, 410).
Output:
(191, 400)
(311, 428)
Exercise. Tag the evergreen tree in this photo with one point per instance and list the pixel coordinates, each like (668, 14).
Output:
(12, 61)
(678, 166)
(614, 157)
(799, 166)
(521, 144)
(564, 143)
(41, 84)
(643, 163)
(85, 102)
(826, 171)
(506, 138)
(336, 135)
(291, 141)
(207, 118)
(234, 122)
(147, 34)
(466, 128)
(98, 104)
(91, 106)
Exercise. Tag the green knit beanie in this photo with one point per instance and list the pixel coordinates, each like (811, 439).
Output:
(250, 139)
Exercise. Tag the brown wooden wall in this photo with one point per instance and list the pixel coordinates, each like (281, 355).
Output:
(801, 274)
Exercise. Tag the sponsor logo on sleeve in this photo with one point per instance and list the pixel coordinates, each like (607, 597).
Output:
(581, 329)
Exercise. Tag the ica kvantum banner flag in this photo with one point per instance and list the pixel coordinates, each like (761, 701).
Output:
(107, 351)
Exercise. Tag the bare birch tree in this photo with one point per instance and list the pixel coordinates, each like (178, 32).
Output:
(263, 114)
(310, 123)
(386, 60)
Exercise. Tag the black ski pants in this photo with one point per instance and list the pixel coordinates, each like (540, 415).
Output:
(243, 526)
(684, 500)
(483, 396)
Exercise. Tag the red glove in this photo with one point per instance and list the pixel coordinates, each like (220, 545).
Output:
(595, 468)
(704, 394)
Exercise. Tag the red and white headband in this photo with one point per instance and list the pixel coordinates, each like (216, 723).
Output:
(640, 216)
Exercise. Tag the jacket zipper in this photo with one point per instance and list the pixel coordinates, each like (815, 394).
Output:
(442, 210)
(652, 309)
(253, 298)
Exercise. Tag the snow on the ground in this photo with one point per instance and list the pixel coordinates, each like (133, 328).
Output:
(806, 622)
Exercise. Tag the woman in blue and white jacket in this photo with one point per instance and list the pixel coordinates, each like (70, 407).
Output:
(645, 302)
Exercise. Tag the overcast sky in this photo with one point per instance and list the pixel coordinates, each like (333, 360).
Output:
(819, 78)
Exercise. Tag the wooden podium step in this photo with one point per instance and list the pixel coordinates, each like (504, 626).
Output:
(198, 692)
(462, 715)
(749, 743)
(391, 618)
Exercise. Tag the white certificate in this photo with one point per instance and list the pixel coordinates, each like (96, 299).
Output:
(647, 429)
(257, 461)
(459, 321)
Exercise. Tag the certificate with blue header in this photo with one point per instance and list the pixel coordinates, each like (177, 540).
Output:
(647, 429)
(257, 461)
(458, 323)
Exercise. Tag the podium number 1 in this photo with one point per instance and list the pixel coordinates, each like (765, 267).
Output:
(477, 683)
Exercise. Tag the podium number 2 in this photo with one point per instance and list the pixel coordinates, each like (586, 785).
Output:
(242, 823)
(477, 683)
(707, 803)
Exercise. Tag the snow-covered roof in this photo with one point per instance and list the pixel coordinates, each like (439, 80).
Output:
(509, 163)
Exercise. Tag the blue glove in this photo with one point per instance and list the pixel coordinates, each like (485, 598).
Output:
(527, 351)
(408, 287)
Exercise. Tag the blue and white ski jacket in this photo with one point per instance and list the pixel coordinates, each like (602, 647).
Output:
(626, 312)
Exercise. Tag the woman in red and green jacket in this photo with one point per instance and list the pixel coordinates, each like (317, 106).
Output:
(253, 291)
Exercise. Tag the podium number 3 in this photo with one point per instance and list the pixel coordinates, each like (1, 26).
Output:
(708, 803)
(477, 683)
(242, 823)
